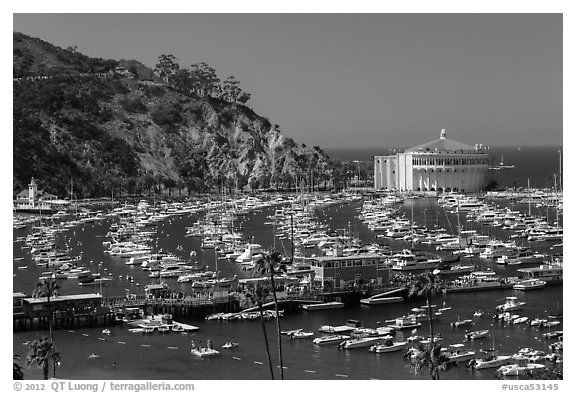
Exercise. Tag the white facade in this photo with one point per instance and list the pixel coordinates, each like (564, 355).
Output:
(440, 165)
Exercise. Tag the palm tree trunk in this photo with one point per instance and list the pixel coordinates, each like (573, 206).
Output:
(50, 317)
(433, 373)
(277, 324)
(266, 339)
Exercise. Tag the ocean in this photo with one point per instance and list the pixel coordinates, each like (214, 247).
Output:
(126, 355)
(536, 164)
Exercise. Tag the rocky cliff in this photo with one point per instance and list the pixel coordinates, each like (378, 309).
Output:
(112, 125)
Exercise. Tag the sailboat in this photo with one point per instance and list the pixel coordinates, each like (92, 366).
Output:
(502, 163)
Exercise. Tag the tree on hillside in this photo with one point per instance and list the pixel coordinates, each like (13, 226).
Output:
(167, 67)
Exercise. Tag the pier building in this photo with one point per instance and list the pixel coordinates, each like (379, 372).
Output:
(440, 165)
(35, 200)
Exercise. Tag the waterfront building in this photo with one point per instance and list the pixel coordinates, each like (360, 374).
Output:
(337, 272)
(440, 165)
(34, 199)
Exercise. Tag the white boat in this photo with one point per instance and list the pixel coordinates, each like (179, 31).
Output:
(512, 303)
(478, 313)
(464, 322)
(405, 323)
(476, 334)
(388, 346)
(363, 342)
(515, 370)
(459, 353)
(229, 345)
(520, 320)
(106, 331)
(531, 283)
(492, 361)
(301, 335)
(204, 352)
(331, 339)
(249, 252)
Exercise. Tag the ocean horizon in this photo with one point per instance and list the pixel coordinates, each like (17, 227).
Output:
(536, 165)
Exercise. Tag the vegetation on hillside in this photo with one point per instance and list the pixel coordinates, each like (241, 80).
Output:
(119, 127)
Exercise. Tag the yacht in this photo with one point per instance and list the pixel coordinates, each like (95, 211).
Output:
(330, 339)
(529, 284)
(249, 252)
(459, 353)
(512, 303)
(388, 346)
(361, 342)
(492, 361)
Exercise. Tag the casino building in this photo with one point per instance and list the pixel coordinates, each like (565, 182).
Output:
(439, 165)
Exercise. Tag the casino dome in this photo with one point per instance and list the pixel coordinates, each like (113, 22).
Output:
(443, 144)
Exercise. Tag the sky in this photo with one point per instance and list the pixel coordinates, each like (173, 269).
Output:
(356, 80)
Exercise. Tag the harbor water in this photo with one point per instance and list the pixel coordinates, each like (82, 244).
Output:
(89, 354)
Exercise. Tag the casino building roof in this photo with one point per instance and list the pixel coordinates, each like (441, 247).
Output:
(443, 144)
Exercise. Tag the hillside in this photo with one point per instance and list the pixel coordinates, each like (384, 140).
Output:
(76, 119)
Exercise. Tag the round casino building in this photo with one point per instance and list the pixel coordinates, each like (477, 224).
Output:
(442, 165)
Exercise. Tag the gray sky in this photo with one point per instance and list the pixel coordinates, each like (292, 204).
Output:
(356, 80)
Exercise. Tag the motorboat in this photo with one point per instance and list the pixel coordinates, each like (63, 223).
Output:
(388, 346)
(330, 339)
(249, 252)
(106, 331)
(512, 303)
(476, 334)
(478, 313)
(463, 322)
(459, 353)
(361, 342)
(527, 285)
(405, 323)
(301, 335)
(520, 320)
(492, 361)
(515, 370)
(229, 345)
(202, 352)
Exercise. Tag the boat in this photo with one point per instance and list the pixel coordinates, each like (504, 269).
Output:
(202, 352)
(93, 356)
(530, 284)
(459, 353)
(464, 322)
(520, 320)
(515, 370)
(322, 306)
(178, 329)
(229, 345)
(106, 331)
(492, 361)
(388, 346)
(478, 313)
(476, 334)
(362, 342)
(405, 323)
(249, 252)
(512, 303)
(301, 334)
(330, 339)
(551, 273)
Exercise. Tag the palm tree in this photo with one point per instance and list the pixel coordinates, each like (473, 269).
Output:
(17, 372)
(426, 285)
(48, 288)
(42, 351)
(270, 264)
(256, 295)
